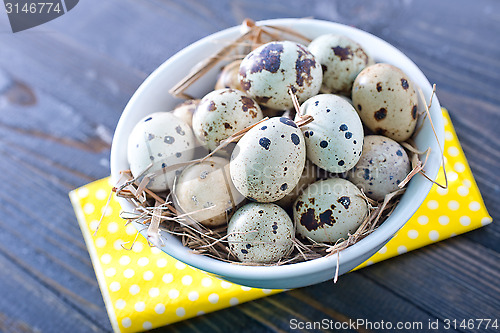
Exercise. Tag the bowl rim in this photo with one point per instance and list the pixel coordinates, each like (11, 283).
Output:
(378, 238)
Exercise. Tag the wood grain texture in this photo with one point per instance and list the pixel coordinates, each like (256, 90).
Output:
(63, 86)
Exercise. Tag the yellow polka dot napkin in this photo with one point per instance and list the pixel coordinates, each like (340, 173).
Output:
(145, 288)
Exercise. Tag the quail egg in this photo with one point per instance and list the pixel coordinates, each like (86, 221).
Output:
(268, 161)
(206, 193)
(157, 141)
(341, 59)
(269, 71)
(386, 101)
(308, 176)
(329, 210)
(260, 233)
(382, 166)
(221, 113)
(185, 110)
(228, 77)
(334, 139)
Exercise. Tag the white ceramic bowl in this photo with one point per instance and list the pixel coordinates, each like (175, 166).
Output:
(152, 96)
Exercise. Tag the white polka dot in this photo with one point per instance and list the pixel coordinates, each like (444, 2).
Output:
(147, 325)
(442, 191)
(118, 244)
(88, 208)
(199, 313)
(267, 291)
(101, 194)
(459, 167)
(369, 262)
(234, 301)
(148, 275)
(433, 204)
(155, 250)
(383, 250)
(412, 234)
(83, 192)
(245, 288)
(463, 191)
(120, 304)
(112, 227)
(193, 296)
(226, 285)
(134, 289)
(159, 308)
(452, 176)
(126, 322)
(110, 272)
(143, 261)
(93, 225)
(180, 312)
(180, 265)
(448, 136)
(130, 229)
(140, 306)
(173, 293)
(154, 292)
(213, 298)
(137, 247)
(206, 282)
(474, 206)
(187, 280)
(434, 235)
(107, 211)
(161, 262)
(114, 286)
(402, 249)
(443, 220)
(124, 260)
(423, 220)
(453, 151)
(100, 242)
(453, 205)
(106, 258)
(486, 220)
(167, 278)
(128, 273)
(467, 183)
(453, 234)
(465, 220)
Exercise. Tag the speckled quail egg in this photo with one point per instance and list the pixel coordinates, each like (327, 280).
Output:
(186, 109)
(160, 140)
(205, 192)
(328, 210)
(382, 166)
(269, 71)
(260, 233)
(334, 139)
(268, 161)
(221, 113)
(386, 101)
(308, 176)
(341, 59)
(228, 77)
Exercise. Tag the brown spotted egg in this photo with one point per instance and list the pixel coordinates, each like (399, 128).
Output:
(269, 71)
(206, 193)
(308, 176)
(228, 77)
(260, 233)
(157, 141)
(334, 139)
(268, 161)
(221, 113)
(382, 166)
(329, 210)
(386, 101)
(341, 59)
(185, 110)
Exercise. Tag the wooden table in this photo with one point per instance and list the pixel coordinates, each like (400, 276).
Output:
(63, 86)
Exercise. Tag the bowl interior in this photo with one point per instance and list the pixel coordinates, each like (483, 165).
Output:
(152, 96)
